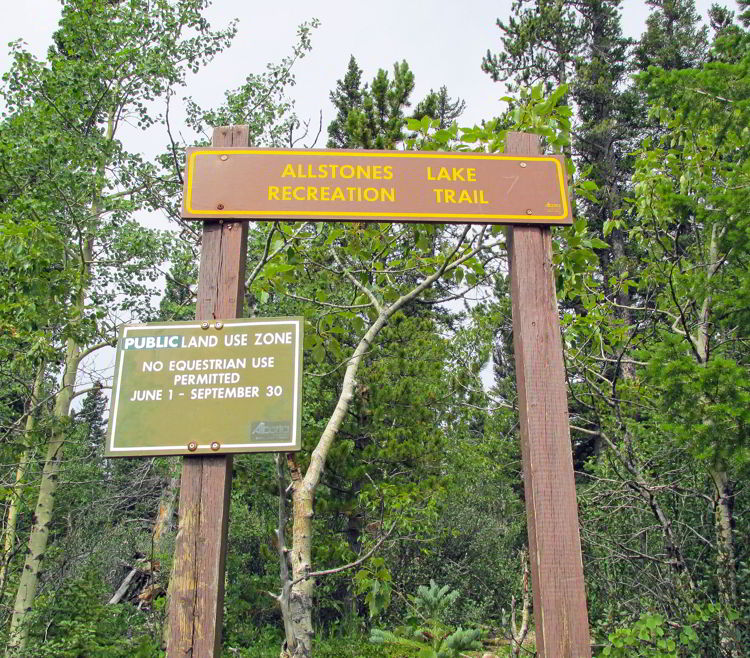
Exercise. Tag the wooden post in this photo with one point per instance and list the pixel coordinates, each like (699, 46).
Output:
(560, 615)
(197, 592)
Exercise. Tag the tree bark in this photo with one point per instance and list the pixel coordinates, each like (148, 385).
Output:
(166, 507)
(726, 569)
(37, 546)
(518, 633)
(18, 486)
(117, 596)
(301, 595)
(726, 565)
(284, 562)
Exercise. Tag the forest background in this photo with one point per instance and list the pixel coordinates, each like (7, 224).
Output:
(411, 448)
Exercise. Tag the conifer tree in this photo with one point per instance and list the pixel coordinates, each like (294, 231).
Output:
(346, 97)
(439, 105)
(672, 39)
(373, 115)
(540, 42)
(380, 122)
(92, 418)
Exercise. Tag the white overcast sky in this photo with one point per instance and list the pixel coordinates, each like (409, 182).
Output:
(443, 41)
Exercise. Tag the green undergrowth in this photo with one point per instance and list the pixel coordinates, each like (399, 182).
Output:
(352, 646)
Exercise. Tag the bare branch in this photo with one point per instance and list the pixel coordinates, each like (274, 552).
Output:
(172, 143)
(93, 348)
(683, 320)
(348, 307)
(357, 284)
(351, 565)
(88, 390)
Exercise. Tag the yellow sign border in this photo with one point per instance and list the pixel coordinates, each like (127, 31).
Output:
(396, 154)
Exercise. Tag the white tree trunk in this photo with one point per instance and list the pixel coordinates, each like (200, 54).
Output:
(37, 546)
(18, 486)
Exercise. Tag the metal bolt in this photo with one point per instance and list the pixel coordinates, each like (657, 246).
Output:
(205, 325)
(215, 446)
(192, 446)
(523, 164)
(219, 325)
(529, 212)
(220, 206)
(224, 157)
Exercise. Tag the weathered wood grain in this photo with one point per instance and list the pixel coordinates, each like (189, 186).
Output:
(197, 592)
(554, 542)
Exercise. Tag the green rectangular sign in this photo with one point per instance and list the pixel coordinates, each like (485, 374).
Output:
(207, 388)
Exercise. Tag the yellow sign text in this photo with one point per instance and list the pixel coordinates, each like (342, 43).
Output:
(310, 193)
(459, 196)
(465, 174)
(358, 172)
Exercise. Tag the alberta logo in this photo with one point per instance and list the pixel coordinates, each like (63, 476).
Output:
(270, 430)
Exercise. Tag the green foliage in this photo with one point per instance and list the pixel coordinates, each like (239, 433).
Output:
(705, 405)
(379, 121)
(646, 637)
(672, 39)
(440, 107)
(252, 561)
(538, 43)
(346, 97)
(651, 636)
(349, 646)
(259, 641)
(434, 602)
(261, 102)
(425, 634)
(33, 287)
(75, 622)
(532, 111)
(71, 183)
(374, 582)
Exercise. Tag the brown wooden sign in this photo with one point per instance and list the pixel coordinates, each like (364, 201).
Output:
(386, 186)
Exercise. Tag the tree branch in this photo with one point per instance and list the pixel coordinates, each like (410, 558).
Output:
(357, 284)
(351, 565)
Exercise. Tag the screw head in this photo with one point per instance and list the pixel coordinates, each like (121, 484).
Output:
(215, 446)
(224, 157)
(528, 212)
(219, 325)
(523, 164)
(205, 325)
(220, 206)
(192, 446)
